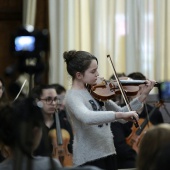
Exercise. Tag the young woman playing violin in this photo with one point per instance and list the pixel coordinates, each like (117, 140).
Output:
(93, 139)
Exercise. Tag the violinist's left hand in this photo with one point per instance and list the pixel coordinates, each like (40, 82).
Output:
(144, 89)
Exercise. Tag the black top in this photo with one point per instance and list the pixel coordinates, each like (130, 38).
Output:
(45, 147)
(126, 156)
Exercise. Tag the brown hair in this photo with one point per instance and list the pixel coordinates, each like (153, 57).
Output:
(152, 142)
(77, 61)
(137, 76)
(17, 121)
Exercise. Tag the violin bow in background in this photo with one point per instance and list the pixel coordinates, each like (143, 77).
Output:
(20, 90)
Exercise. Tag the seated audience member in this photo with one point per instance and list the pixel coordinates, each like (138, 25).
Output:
(152, 154)
(20, 134)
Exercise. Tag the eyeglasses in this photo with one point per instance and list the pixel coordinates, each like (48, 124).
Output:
(50, 100)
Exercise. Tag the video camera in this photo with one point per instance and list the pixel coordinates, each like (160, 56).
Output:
(28, 45)
(28, 42)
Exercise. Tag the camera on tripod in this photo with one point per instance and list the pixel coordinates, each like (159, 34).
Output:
(29, 45)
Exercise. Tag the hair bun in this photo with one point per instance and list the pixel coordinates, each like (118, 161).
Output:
(69, 55)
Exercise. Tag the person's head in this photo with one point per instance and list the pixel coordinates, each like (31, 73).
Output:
(46, 96)
(119, 75)
(20, 127)
(59, 88)
(153, 140)
(137, 76)
(3, 95)
(61, 91)
(81, 65)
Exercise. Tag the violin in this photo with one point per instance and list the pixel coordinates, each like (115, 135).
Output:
(61, 152)
(104, 90)
(136, 135)
(96, 91)
(60, 139)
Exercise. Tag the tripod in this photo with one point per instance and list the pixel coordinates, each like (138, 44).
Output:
(164, 106)
(31, 82)
(165, 111)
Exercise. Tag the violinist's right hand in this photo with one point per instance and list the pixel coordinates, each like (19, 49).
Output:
(128, 116)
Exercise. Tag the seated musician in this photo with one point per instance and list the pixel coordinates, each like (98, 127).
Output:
(126, 155)
(46, 96)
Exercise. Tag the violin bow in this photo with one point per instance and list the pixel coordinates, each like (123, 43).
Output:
(20, 90)
(123, 92)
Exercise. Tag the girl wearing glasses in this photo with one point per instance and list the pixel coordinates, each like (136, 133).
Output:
(46, 98)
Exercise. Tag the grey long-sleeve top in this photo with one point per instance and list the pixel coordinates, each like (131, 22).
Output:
(93, 138)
